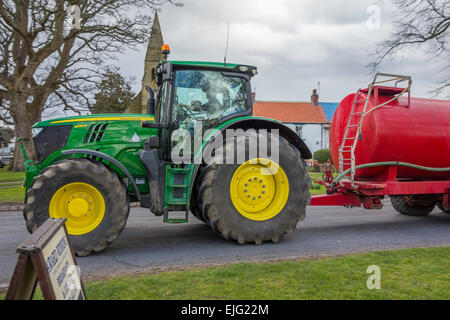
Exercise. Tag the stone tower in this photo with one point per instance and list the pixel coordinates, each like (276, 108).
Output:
(152, 58)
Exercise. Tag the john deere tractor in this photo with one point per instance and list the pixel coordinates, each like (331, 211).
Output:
(89, 168)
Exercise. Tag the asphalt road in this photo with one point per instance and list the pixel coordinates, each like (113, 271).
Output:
(148, 243)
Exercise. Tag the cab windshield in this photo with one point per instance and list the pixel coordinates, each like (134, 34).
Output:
(207, 96)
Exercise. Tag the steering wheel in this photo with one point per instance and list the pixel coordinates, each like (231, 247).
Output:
(187, 111)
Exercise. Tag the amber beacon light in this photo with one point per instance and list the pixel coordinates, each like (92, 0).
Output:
(165, 49)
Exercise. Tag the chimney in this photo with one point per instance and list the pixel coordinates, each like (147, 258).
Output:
(315, 98)
(254, 97)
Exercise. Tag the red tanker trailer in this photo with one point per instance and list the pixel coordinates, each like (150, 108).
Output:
(387, 143)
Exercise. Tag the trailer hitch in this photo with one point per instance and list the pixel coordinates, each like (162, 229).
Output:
(328, 179)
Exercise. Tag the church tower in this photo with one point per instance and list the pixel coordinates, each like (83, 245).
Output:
(152, 58)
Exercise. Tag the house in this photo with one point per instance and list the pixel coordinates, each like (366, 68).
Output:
(307, 119)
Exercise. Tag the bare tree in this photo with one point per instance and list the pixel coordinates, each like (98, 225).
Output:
(49, 58)
(420, 24)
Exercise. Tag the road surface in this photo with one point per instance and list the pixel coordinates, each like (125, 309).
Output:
(147, 243)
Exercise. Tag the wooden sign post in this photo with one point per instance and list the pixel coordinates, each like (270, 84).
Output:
(46, 257)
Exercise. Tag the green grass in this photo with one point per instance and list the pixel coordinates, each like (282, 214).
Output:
(316, 188)
(16, 194)
(6, 176)
(405, 274)
(12, 181)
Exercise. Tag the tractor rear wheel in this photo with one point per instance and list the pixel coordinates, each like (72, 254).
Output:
(411, 205)
(259, 200)
(89, 195)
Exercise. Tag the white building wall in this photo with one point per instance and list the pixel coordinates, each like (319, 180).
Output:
(314, 135)
(326, 136)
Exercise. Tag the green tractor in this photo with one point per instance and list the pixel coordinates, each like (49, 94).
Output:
(89, 168)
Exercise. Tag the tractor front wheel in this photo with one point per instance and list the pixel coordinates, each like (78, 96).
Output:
(89, 195)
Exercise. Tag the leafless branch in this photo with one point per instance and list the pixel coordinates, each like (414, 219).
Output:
(45, 64)
(420, 24)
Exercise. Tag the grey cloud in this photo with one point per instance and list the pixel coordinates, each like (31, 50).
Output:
(295, 44)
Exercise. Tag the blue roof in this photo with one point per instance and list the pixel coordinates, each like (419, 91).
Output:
(329, 108)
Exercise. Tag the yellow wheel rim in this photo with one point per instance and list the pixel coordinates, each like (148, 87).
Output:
(82, 204)
(259, 189)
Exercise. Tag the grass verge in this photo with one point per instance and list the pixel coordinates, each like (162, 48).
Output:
(405, 274)
(16, 194)
(10, 182)
(7, 176)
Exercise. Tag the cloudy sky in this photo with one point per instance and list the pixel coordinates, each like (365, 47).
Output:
(295, 44)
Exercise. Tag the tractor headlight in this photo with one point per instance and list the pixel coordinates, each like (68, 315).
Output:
(36, 131)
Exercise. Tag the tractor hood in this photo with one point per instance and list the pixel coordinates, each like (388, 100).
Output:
(99, 131)
(94, 118)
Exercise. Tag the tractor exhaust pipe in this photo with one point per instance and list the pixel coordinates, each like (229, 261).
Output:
(150, 101)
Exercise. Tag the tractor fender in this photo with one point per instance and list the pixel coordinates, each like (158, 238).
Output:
(110, 159)
(257, 124)
(265, 123)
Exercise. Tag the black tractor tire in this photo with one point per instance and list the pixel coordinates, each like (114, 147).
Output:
(195, 199)
(96, 174)
(220, 213)
(441, 207)
(401, 205)
(195, 210)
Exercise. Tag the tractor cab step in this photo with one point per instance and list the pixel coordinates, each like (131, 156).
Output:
(175, 220)
(178, 182)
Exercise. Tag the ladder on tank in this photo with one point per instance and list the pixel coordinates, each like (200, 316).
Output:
(348, 147)
(356, 119)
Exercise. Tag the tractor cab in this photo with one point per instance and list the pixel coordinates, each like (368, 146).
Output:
(202, 94)
(208, 96)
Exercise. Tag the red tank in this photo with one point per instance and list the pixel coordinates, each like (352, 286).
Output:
(412, 130)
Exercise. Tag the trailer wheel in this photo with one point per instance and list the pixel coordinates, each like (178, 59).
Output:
(440, 206)
(408, 205)
(90, 196)
(259, 200)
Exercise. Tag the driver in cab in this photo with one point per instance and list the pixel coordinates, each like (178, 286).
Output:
(211, 106)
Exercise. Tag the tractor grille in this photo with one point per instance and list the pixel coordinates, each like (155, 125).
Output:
(51, 139)
(96, 132)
